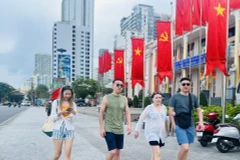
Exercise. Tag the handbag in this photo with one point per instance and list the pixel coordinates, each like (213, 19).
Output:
(48, 127)
(184, 119)
(49, 124)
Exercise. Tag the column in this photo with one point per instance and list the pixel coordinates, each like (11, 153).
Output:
(237, 41)
(185, 49)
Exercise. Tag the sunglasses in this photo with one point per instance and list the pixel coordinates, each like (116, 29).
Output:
(119, 85)
(185, 84)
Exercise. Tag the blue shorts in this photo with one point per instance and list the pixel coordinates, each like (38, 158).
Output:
(185, 136)
(114, 141)
(62, 133)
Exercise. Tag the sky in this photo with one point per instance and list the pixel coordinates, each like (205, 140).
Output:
(26, 29)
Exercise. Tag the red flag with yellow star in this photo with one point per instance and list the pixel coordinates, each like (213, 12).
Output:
(164, 50)
(216, 43)
(235, 4)
(137, 61)
(119, 65)
(179, 17)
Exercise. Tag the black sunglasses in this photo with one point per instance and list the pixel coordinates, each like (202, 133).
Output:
(185, 84)
(119, 85)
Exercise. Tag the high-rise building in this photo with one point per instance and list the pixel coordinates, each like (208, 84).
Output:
(42, 64)
(42, 71)
(143, 20)
(73, 41)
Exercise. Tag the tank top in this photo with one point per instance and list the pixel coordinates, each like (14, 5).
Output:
(114, 114)
(65, 108)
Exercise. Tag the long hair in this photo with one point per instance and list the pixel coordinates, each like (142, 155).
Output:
(70, 100)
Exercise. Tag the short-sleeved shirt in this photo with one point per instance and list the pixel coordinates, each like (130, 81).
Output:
(180, 103)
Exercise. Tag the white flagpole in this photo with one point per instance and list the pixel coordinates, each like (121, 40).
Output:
(224, 77)
(173, 64)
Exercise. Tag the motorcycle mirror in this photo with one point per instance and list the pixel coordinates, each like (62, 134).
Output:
(237, 117)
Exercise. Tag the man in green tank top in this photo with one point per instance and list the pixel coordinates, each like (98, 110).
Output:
(114, 105)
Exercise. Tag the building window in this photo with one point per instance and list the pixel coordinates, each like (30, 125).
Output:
(73, 62)
(73, 40)
(73, 48)
(73, 53)
(73, 70)
(73, 31)
(73, 27)
(231, 32)
(73, 66)
(73, 79)
(73, 44)
(190, 49)
(73, 35)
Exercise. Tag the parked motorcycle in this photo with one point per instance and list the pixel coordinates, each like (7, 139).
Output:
(228, 135)
(205, 136)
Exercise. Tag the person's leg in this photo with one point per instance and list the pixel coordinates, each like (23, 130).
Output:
(57, 148)
(156, 153)
(68, 148)
(182, 139)
(117, 155)
(112, 146)
(185, 147)
(183, 153)
(111, 154)
(119, 144)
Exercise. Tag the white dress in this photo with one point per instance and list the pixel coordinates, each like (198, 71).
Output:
(154, 123)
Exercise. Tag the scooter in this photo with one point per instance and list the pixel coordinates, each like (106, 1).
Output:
(205, 136)
(228, 135)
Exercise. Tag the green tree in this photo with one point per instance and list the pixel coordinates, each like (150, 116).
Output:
(84, 87)
(42, 91)
(147, 101)
(203, 100)
(135, 101)
(107, 90)
(5, 90)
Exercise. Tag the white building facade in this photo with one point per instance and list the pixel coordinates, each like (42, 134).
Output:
(74, 35)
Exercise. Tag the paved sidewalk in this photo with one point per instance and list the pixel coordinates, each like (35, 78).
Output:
(22, 139)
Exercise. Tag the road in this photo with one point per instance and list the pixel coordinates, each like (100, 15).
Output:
(31, 144)
(6, 113)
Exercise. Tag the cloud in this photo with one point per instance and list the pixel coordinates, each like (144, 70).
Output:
(7, 44)
(14, 79)
(26, 29)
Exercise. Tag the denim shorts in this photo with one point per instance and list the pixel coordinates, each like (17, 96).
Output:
(62, 133)
(185, 136)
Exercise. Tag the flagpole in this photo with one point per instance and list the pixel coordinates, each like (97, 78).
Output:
(224, 77)
(200, 52)
(144, 53)
(173, 64)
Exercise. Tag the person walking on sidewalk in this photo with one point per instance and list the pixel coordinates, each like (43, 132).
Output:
(62, 112)
(155, 117)
(114, 105)
(180, 112)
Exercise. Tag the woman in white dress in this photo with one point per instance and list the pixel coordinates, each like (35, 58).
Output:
(154, 116)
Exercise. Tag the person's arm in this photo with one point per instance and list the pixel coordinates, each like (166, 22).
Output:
(171, 116)
(139, 125)
(128, 117)
(102, 110)
(73, 112)
(172, 113)
(200, 115)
